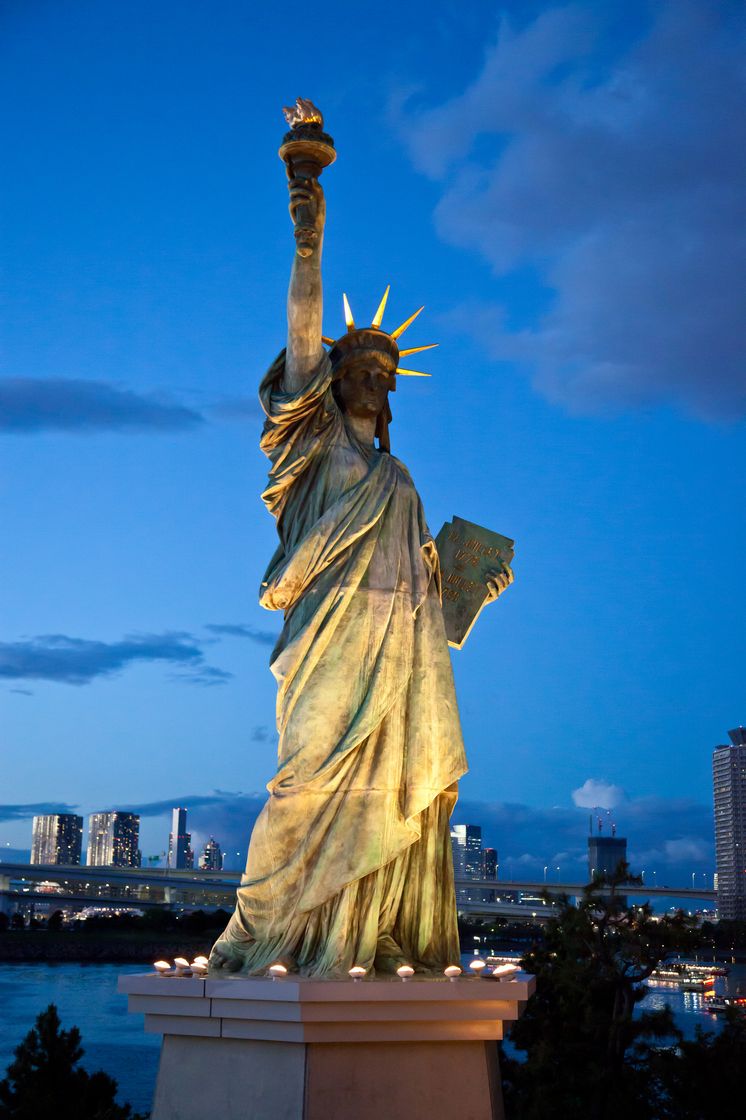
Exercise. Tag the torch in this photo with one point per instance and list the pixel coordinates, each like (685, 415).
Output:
(306, 150)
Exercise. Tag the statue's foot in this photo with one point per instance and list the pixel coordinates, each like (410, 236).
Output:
(224, 957)
(390, 956)
(387, 966)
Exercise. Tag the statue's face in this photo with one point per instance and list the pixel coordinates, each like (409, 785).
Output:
(363, 388)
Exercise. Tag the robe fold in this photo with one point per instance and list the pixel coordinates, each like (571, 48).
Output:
(351, 854)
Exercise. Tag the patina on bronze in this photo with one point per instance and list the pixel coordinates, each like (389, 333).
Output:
(349, 862)
(469, 557)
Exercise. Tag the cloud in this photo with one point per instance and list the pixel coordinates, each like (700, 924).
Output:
(36, 809)
(192, 802)
(78, 661)
(687, 849)
(595, 794)
(239, 630)
(614, 173)
(228, 817)
(672, 837)
(59, 404)
(237, 408)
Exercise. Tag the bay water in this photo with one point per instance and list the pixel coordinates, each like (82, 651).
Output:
(86, 996)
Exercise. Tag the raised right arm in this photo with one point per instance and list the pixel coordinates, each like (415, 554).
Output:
(305, 296)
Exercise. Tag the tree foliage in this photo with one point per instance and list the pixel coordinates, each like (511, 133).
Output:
(46, 1080)
(704, 1078)
(586, 1055)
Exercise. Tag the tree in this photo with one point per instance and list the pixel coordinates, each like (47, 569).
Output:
(585, 1054)
(55, 921)
(703, 1079)
(45, 1080)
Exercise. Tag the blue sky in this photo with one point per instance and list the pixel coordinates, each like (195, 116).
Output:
(563, 187)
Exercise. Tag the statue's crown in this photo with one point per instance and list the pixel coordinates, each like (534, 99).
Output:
(365, 339)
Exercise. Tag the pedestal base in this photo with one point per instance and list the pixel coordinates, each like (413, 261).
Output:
(257, 1049)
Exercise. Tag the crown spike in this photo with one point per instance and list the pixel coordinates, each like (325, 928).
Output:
(327, 341)
(377, 318)
(413, 373)
(417, 349)
(407, 323)
(349, 321)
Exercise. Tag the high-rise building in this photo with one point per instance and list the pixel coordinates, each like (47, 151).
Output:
(466, 844)
(489, 871)
(729, 787)
(458, 848)
(57, 838)
(212, 857)
(605, 853)
(180, 854)
(113, 840)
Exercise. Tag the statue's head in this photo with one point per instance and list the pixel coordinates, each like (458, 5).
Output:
(364, 366)
(365, 362)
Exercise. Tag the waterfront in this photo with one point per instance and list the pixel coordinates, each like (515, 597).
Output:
(86, 997)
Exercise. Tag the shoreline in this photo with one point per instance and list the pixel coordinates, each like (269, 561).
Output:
(144, 947)
(39, 946)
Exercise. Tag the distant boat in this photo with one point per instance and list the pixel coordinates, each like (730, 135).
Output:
(690, 976)
(720, 1004)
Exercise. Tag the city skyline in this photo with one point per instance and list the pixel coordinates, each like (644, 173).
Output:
(469, 841)
(594, 378)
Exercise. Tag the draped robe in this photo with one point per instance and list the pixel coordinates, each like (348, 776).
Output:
(351, 854)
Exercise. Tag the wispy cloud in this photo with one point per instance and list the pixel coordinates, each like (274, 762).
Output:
(78, 661)
(35, 809)
(58, 404)
(615, 174)
(237, 408)
(229, 817)
(239, 630)
(192, 802)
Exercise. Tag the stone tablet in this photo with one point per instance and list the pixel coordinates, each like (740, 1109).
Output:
(468, 554)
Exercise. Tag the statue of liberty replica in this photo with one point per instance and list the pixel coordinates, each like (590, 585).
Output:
(350, 859)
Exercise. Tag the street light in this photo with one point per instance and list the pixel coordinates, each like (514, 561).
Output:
(545, 873)
(693, 874)
(558, 874)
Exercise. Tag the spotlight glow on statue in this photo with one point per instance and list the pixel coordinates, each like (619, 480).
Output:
(349, 863)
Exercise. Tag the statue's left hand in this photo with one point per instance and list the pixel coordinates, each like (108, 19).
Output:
(497, 581)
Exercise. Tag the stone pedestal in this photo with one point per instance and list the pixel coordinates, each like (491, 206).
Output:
(293, 1049)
